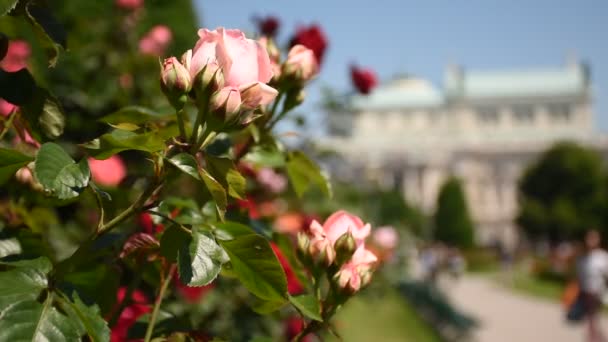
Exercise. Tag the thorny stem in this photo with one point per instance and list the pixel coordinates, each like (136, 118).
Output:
(159, 300)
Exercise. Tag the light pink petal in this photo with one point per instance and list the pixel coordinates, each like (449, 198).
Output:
(363, 256)
(243, 52)
(205, 51)
(264, 66)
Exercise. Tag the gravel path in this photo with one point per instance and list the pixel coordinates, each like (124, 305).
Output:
(510, 317)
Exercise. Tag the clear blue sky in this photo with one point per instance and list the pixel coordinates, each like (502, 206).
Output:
(421, 37)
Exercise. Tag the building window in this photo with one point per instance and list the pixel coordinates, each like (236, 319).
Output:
(488, 115)
(560, 112)
(523, 114)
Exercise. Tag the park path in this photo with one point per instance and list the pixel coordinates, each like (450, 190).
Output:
(506, 316)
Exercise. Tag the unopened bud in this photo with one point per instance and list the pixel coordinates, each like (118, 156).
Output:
(209, 80)
(3, 45)
(303, 242)
(294, 98)
(345, 247)
(366, 277)
(175, 82)
(226, 103)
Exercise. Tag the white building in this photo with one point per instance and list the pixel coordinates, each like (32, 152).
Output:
(483, 127)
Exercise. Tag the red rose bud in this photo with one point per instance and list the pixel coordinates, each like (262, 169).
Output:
(345, 246)
(313, 38)
(3, 45)
(175, 82)
(364, 80)
(226, 103)
(268, 26)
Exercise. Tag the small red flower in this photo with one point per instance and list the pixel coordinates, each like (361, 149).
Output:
(251, 207)
(138, 306)
(268, 26)
(313, 38)
(363, 79)
(294, 326)
(147, 224)
(294, 286)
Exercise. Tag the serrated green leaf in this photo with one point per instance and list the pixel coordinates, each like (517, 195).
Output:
(224, 171)
(217, 191)
(231, 230)
(59, 174)
(257, 267)
(303, 172)
(7, 5)
(50, 32)
(264, 307)
(31, 321)
(172, 240)
(10, 162)
(88, 319)
(135, 115)
(308, 305)
(200, 261)
(24, 282)
(118, 140)
(9, 247)
(186, 163)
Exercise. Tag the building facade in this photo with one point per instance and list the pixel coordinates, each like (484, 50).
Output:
(483, 127)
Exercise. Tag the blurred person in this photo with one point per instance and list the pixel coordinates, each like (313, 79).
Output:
(455, 262)
(592, 272)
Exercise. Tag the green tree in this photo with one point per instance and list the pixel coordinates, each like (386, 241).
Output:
(563, 193)
(453, 224)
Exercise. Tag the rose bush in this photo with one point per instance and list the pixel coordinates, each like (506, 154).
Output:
(160, 223)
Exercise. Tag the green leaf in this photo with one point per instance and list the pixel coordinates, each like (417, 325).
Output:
(118, 140)
(10, 162)
(24, 282)
(59, 174)
(257, 267)
(135, 115)
(50, 32)
(87, 318)
(171, 241)
(308, 305)
(231, 230)
(186, 163)
(217, 191)
(44, 115)
(225, 172)
(17, 87)
(200, 261)
(303, 172)
(264, 307)
(31, 321)
(7, 5)
(9, 247)
(265, 156)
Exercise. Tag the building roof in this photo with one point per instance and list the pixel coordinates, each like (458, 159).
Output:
(405, 92)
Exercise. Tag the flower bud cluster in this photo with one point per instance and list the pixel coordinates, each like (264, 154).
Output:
(339, 244)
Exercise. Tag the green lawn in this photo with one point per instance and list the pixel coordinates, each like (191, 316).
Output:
(525, 283)
(386, 317)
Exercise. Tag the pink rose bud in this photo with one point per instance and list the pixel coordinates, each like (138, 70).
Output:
(109, 172)
(341, 222)
(129, 4)
(16, 56)
(226, 103)
(175, 81)
(156, 41)
(345, 247)
(257, 94)
(356, 273)
(301, 63)
(321, 248)
(209, 80)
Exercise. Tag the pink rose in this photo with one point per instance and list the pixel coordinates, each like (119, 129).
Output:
(320, 245)
(16, 56)
(244, 62)
(156, 41)
(275, 182)
(301, 62)
(385, 237)
(108, 172)
(357, 272)
(342, 222)
(129, 4)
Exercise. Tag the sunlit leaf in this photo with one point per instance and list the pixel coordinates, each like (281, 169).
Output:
(308, 305)
(217, 191)
(23, 282)
(117, 141)
(303, 172)
(88, 319)
(186, 163)
(224, 171)
(200, 260)
(59, 174)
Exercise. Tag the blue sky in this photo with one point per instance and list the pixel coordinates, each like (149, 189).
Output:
(421, 37)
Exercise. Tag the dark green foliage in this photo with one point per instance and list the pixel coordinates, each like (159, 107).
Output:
(563, 194)
(453, 224)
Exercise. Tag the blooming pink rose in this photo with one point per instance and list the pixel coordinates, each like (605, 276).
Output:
(364, 80)
(108, 172)
(385, 237)
(16, 56)
(244, 62)
(156, 41)
(342, 222)
(129, 4)
(357, 272)
(301, 62)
